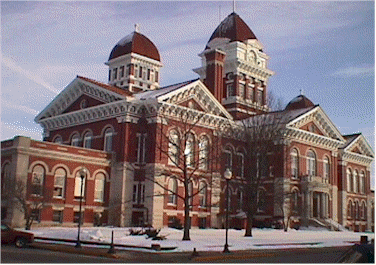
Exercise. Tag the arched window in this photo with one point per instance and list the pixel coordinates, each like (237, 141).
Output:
(173, 149)
(311, 163)
(356, 210)
(173, 191)
(240, 199)
(261, 202)
(190, 150)
(37, 180)
(100, 181)
(88, 137)
(294, 202)
(230, 90)
(363, 211)
(108, 138)
(59, 183)
(77, 185)
(204, 152)
(349, 210)
(228, 158)
(240, 164)
(203, 190)
(58, 140)
(362, 182)
(326, 169)
(294, 163)
(356, 181)
(75, 140)
(349, 180)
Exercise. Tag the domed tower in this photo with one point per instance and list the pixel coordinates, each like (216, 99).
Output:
(134, 63)
(299, 102)
(234, 68)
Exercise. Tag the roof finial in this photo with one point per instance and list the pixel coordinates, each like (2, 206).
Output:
(301, 92)
(137, 27)
(233, 6)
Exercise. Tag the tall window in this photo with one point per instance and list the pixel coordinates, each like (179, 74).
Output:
(174, 144)
(250, 93)
(87, 140)
(240, 199)
(204, 153)
(260, 95)
(363, 211)
(37, 180)
(294, 163)
(357, 210)
(230, 90)
(311, 163)
(203, 193)
(362, 182)
(77, 186)
(141, 144)
(326, 169)
(122, 71)
(356, 181)
(100, 181)
(349, 210)
(261, 200)
(75, 140)
(173, 191)
(59, 183)
(190, 150)
(138, 193)
(108, 137)
(349, 180)
(295, 197)
(115, 73)
(241, 90)
(228, 158)
(240, 164)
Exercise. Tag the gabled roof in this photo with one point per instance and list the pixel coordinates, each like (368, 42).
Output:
(79, 86)
(357, 140)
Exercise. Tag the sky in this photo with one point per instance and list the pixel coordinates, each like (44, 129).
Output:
(324, 49)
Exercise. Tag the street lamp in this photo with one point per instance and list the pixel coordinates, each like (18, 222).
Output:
(228, 176)
(82, 176)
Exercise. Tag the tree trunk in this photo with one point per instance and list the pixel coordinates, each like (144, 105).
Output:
(186, 219)
(248, 228)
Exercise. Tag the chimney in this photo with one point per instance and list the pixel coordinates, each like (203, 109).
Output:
(215, 72)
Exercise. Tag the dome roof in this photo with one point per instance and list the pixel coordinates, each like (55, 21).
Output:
(299, 102)
(136, 43)
(233, 28)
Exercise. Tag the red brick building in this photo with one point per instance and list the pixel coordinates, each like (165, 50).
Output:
(128, 135)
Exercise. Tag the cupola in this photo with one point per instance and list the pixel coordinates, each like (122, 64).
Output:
(299, 102)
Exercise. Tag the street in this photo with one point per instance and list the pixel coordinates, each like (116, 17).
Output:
(10, 254)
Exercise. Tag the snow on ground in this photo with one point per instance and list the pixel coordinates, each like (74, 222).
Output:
(211, 239)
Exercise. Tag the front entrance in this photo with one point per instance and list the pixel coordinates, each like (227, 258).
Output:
(138, 219)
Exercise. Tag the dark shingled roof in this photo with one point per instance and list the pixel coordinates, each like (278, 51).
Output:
(233, 28)
(299, 102)
(136, 43)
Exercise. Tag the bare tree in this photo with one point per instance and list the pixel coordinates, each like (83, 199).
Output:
(263, 136)
(16, 193)
(176, 142)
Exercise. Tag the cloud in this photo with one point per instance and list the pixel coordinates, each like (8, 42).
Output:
(355, 71)
(19, 107)
(10, 63)
(9, 131)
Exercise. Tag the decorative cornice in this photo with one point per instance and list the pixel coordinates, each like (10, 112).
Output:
(356, 158)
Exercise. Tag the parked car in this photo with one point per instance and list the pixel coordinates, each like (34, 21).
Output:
(19, 238)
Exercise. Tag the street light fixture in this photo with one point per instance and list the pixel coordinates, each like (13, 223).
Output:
(228, 176)
(82, 176)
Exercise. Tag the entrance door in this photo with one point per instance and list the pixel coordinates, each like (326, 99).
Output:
(138, 219)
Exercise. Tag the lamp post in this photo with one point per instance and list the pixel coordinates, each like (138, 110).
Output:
(82, 176)
(228, 176)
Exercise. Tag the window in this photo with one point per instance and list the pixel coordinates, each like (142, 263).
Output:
(87, 140)
(228, 158)
(108, 137)
(58, 140)
(203, 193)
(190, 150)
(250, 93)
(240, 164)
(240, 199)
(57, 216)
(204, 153)
(148, 75)
(174, 144)
(37, 180)
(59, 183)
(115, 74)
(294, 203)
(356, 181)
(76, 217)
(75, 140)
(156, 76)
(129, 69)
(260, 95)
(140, 72)
(241, 90)
(190, 194)
(141, 143)
(363, 211)
(261, 200)
(326, 169)
(230, 90)
(349, 180)
(172, 191)
(349, 210)
(138, 193)
(362, 182)
(109, 75)
(100, 181)
(77, 186)
(311, 163)
(356, 210)
(122, 71)
(294, 164)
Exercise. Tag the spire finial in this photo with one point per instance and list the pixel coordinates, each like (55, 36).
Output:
(233, 6)
(301, 92)
(137, 27)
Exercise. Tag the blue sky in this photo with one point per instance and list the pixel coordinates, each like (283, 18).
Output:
(324, 48)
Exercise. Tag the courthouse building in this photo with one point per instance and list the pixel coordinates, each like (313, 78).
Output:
(126, 135)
